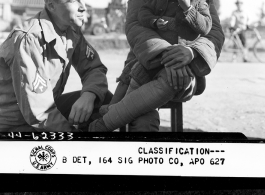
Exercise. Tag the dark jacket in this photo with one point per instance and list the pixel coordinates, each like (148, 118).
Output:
(146, 44)
(197, 21)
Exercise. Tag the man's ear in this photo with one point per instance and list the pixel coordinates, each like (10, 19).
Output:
(50, 6)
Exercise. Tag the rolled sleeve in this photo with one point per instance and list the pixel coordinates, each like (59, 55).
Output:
(209, 46)
(199, 19)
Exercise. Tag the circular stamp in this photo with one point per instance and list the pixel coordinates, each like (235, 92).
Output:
(43, 158)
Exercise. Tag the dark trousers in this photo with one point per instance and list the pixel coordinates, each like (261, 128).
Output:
(242, 37)
(64, 104)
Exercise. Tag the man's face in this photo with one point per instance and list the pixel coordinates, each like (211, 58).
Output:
(70, 12)
(239, 6)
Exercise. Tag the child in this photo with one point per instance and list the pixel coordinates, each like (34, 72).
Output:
(176, 21)
(182, 24)
(181, 21)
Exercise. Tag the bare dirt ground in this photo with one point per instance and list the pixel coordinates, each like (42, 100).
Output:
(234, 100)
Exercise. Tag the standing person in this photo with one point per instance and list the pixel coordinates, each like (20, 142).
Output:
(35, 64)
(177, 79)
(239, 23)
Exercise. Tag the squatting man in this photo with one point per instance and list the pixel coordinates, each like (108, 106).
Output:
(34, 66)
(35, 62)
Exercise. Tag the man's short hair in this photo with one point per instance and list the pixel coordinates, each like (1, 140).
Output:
(49, 1)
(239, 2)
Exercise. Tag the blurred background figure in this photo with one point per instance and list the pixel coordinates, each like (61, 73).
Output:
(105, 20)
(262, 14)
(115, 16)
(239, 23)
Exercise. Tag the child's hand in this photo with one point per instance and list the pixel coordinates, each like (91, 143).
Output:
(184, 4)
(161, 24)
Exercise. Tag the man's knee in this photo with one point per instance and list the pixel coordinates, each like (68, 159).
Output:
(186, 95)
(148, 122)
(162, 82)
(179, 95)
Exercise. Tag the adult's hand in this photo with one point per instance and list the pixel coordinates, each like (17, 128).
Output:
(179, 78)
(82, 108)
(177, 54)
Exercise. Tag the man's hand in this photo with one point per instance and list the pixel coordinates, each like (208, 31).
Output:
(161, 24)
(184, 4)
(177, 54)
(179, 78)
(82, 108)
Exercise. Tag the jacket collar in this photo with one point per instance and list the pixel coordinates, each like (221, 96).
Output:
(50, 34)
(47, 26)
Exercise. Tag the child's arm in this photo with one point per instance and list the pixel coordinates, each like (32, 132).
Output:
(215, 40)
(198, 17)
(145, 42)
(148, 19)
(146, 15)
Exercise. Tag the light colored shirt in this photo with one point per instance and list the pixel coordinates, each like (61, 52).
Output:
(239, 20)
